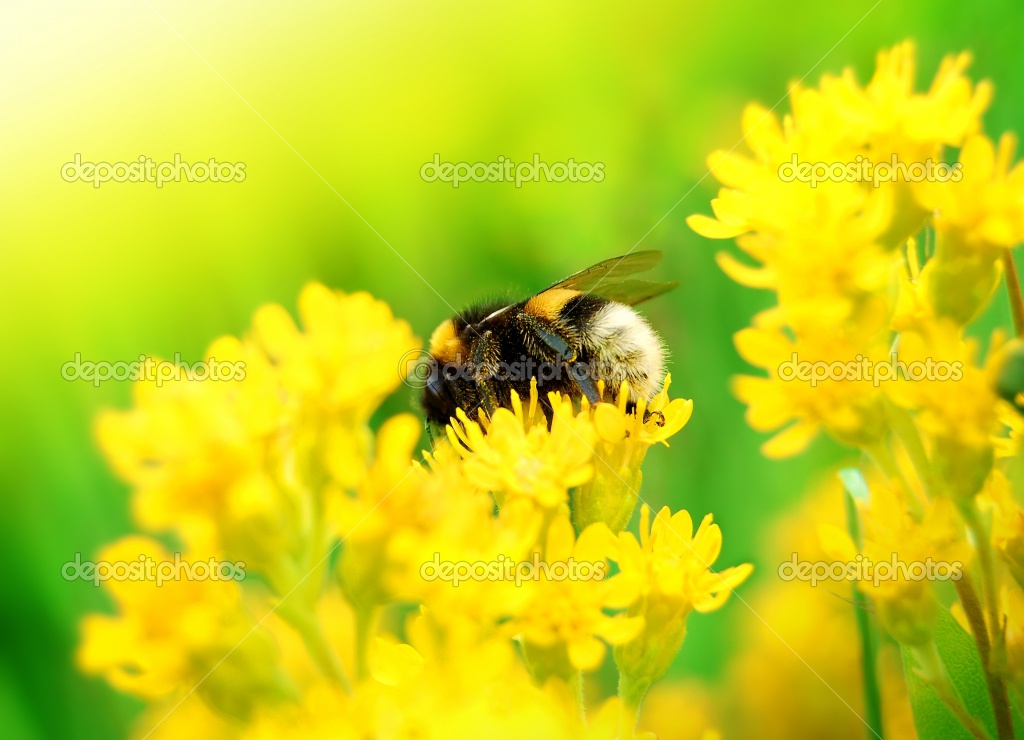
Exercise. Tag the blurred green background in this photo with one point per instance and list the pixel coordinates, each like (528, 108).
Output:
(319, 97)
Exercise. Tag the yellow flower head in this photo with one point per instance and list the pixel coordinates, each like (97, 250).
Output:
(893, 536)
(672, 566)
(168, 635)
(674, 562)
(983, 210)
(196, 451)
(520, 456)
(891, 117)
(335, 373)
(623, 438)
(956, 405)
(564, 618)
(345, 359)
(816, 381)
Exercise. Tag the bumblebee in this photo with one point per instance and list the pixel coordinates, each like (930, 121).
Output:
(580, 331)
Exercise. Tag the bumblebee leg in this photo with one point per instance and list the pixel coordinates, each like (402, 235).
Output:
(548, 338)
(481, 371)
(580, 372)
(659, 418)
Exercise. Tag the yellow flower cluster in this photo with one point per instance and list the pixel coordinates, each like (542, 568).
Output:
(461, 594)
(877, 280)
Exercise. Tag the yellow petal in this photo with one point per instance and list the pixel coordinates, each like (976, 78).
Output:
(752, 277)
(587, 653)
(609, 422)
(714, 229)
(836, 543)
(790, 441)
(620, 630)
(561, 538)
(392, 664)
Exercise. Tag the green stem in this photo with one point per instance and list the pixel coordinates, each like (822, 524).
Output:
(1013, 289)
(883, 459)
(996, 686)
(907, 433)
(868, 644)
(996, 663)
(983, 545)
(576, 687)
(631, 695)
(321, 651)
(366, 627)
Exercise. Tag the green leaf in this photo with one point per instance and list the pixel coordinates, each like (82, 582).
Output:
(932, 719)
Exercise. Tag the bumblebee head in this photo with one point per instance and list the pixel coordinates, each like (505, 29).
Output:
(438, 400)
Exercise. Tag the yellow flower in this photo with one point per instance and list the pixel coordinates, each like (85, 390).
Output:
(828, 248)
(984, 209)
(365, 522)
(672, 564)
(336, 372)
(406, 515)
(345, 360)
(802, 387)
(520, 456)
(166, 637)
(325, 713)
(561, 622)
(956, 404)
(198, 454)
(893, 118)
(906, 603)
(623, 438)
(283, 470)
(428, 689)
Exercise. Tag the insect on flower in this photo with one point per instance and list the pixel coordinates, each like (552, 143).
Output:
(580, 337)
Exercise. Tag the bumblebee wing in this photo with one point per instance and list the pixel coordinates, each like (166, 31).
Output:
(611, 279)
(633, 292)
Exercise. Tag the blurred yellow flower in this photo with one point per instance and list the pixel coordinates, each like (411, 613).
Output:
(562, 622)
(168, 636)
(672, 566)
(906, 604)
